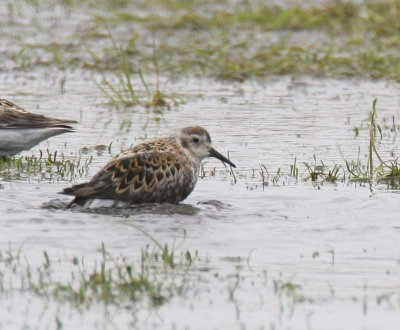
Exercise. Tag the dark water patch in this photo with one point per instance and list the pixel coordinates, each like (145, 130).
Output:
(126, 210)
(212, 203)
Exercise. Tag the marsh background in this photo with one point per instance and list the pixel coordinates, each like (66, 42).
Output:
(302, 235)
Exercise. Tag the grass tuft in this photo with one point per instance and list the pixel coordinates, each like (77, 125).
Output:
(132, 87)
(374, 170)
(112, 280)
(46, 166)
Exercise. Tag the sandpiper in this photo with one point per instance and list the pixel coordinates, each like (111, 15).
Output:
(159, 170)
(21, 130)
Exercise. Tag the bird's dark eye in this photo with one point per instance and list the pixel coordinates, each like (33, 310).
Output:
(195, 140)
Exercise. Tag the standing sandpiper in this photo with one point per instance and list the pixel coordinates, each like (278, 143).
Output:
(21, 130)
(159, 170)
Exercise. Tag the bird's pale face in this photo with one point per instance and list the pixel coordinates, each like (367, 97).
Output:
(198, 142)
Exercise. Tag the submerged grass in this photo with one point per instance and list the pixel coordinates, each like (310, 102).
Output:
(112, 280)
(160, 273)
(375, 169)
(45, 166)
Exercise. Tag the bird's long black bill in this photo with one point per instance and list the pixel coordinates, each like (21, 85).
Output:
(216, 154)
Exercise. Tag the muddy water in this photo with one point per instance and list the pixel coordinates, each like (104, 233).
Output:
(337, 242)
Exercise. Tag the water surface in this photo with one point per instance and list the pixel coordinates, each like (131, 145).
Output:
(335, 244)
(335, 241)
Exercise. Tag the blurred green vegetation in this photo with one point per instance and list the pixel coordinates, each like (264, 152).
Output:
(222, 39)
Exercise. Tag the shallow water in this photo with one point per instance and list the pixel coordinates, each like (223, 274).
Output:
(337, 243)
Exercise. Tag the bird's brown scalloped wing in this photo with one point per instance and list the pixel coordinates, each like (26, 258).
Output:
(139, 178)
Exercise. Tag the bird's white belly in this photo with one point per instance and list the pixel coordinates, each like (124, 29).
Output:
(13, 140)
(94, 203)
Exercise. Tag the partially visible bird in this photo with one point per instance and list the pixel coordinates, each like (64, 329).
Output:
(159, 170)
(21, 130)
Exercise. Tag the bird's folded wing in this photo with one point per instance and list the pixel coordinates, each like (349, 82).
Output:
(13, 116)
(143, 174)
